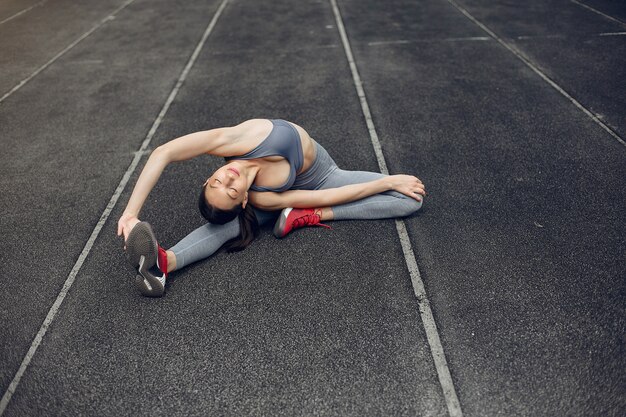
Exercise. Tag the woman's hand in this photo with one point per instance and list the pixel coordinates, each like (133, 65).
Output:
(125, 224)
(408, 185)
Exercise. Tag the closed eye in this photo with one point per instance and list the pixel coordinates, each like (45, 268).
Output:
(232, 192)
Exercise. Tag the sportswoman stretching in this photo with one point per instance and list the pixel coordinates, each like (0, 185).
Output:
(272, 165)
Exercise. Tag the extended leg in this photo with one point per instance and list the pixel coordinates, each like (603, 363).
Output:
(207, 239)
(202, 243)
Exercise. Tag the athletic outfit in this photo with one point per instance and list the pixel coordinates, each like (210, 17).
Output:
(284, 141)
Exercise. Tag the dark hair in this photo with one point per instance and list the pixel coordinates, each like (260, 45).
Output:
(248, 223)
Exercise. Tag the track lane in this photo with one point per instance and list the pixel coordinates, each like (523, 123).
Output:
(66, 138)
(561, 40)
(10, 11)
(104, 217)
(611, 10)
(34, 39)
(430, 327)
(520, 243)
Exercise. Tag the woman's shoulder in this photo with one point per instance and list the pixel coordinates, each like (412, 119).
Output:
(249, 129)
(256, 130)
(245, 136)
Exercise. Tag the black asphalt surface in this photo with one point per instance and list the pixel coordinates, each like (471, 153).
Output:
(521, 242)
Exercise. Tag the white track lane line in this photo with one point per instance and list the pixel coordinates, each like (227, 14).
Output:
(533, 67)
(598, 12)
(612, 34)
(105, 215)
(23, 11)
(410, 41)
(432, 334)
(60, 54)
(524, 37)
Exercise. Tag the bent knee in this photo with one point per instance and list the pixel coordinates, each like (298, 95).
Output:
(408, 206)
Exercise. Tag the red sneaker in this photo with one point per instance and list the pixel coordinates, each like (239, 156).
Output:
(293, 218)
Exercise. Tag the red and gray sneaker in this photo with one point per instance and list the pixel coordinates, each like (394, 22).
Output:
(143, 252)
(294, 218)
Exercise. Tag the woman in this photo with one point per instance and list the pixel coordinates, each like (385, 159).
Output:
(275, 172)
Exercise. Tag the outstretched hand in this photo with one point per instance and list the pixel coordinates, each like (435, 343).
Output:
(125, 224)
(408, 185)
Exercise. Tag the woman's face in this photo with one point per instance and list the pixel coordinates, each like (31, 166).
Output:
(227, 187)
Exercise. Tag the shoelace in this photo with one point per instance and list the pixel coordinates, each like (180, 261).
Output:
(312, 219)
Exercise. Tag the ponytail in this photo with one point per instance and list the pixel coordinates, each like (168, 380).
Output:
(248, 223)
(249, 230)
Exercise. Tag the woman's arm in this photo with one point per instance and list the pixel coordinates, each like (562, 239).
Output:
(213, 141)
(405, 184)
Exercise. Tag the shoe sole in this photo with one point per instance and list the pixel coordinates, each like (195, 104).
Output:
(279, 227)
(142, 242)
(146, 283)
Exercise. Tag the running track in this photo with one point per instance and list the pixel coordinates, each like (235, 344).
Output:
(504, 296)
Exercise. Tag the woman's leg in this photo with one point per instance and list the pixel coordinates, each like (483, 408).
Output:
(207, 239)
(202, 243)
(324, 174)
(386, 205)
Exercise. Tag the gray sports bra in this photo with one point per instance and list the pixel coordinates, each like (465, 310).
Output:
(284, 141)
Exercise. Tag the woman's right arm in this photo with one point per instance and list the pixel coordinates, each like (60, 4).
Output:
(215, 141)
(405, 184)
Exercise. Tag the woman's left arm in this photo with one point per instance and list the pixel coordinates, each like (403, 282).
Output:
(405, 184)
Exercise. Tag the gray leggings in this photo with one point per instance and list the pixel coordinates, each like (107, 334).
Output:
(323, 174)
